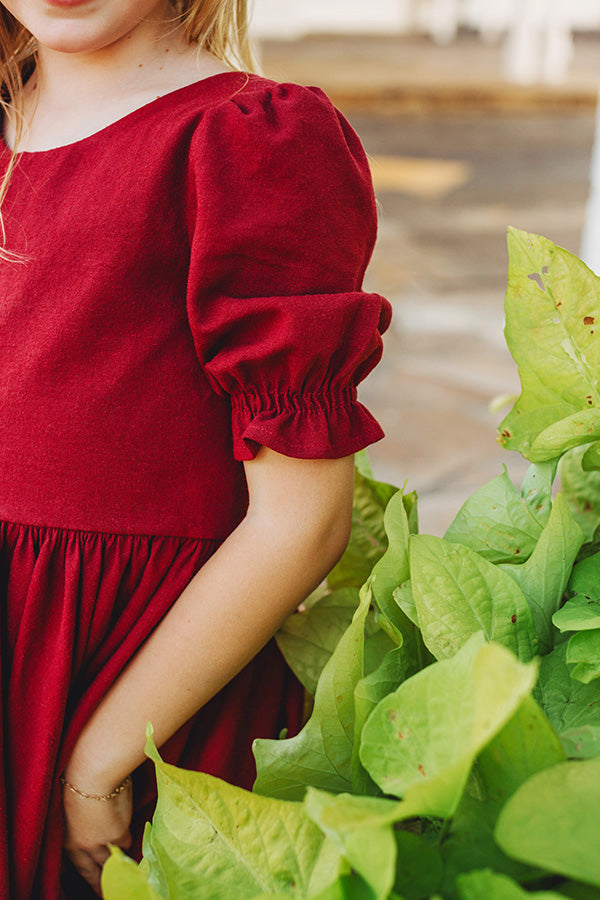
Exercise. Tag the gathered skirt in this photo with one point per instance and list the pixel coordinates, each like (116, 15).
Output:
(76, 605)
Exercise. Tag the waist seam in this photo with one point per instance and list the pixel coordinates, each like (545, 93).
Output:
(130, 534)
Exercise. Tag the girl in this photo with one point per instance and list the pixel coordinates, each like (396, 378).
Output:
(181, 330)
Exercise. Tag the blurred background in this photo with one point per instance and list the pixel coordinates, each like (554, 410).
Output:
(476, 115)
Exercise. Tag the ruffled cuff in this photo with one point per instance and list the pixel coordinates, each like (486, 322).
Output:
(304, 426)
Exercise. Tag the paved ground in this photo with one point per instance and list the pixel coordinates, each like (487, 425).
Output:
(449, 178)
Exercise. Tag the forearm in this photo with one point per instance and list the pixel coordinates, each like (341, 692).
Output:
(225, 615)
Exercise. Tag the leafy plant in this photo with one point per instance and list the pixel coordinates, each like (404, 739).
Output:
(453, 751)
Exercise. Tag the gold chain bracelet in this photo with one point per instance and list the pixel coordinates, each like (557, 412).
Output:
(118, 790)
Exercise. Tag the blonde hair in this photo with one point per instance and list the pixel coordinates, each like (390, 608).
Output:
(221, 28)
(218, 26)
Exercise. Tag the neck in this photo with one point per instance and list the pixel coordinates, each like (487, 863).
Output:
(76, 93)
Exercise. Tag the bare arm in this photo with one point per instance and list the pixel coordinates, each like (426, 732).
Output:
(296, 528)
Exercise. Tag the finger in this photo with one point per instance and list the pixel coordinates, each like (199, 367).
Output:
(89, 870)
(126, 841)
(100, 855)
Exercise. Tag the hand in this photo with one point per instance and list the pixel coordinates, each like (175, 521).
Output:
(90, 825)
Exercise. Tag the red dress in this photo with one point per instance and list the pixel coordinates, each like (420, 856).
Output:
(190, 290)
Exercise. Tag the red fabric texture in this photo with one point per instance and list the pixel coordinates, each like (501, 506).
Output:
(190, 290)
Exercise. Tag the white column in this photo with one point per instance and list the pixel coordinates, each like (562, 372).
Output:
(491, 19)
(292, 18)
(443, 20)
(590, 238)
(524, 44)
(277, 19)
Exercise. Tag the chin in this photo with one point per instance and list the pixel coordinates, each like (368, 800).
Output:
(74, 37)
(81, 26)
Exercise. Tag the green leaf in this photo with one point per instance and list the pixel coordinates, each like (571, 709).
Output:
(211, 840)
(471, 843)
(578, 891)
(487, 885)
(582, 611)
(371, 852)
(458, 593)
(573, 708)
(552, 311)
(394, 669)
(578, 614)
(347, 887)
(321, 755)
(307, 639)
(420, 742)
(536, 489)
(377, 644)
(582, 743)
(368, 540)
(403, 596)
(583, 652)
(278, 896)
(418, 868)
(390, 575)
(525, 745)
(581, 490)
(552, 821)
(122, 880)
(498, 523)
(410, 501)
(393, 569)
(544, 577)
(591, 458)
(580, 427)
(584, 578)
(350, 819)
(363, 464)
(361, 829)
(345, 813)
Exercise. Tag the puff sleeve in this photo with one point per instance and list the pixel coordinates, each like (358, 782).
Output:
(282, 226)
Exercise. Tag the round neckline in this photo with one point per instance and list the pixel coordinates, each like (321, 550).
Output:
(211, 84)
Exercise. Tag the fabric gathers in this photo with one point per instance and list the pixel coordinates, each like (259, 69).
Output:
(327, 421)
(295, 390)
